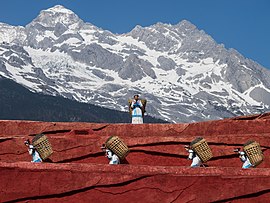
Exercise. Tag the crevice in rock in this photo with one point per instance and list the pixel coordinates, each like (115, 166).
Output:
(225, 144)
(192, 200)
(255, 194)
(159, 143)
(52, 132)
(184, 191)
(3, 139)
(80, 157)
(187, 143)
(155, 153)
(137, 189)
(177, 132)
(73, 192)
(70, 148)
(101, 128)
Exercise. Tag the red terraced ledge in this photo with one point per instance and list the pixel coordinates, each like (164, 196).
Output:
(156, 170)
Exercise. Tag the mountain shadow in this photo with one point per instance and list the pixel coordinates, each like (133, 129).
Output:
(18, 103)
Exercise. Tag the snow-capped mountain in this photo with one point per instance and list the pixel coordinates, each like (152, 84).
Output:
(182, 72)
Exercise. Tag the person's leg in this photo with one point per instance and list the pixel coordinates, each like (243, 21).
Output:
(247, 166)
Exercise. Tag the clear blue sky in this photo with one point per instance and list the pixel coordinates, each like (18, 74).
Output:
(240, 24)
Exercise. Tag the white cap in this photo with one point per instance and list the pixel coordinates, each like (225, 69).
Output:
(242, 153)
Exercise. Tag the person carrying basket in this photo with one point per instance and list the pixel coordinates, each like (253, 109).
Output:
(196, 161)
(199, 152)
(113, 158)
(243, 157)
(252, 154)
(33, 152)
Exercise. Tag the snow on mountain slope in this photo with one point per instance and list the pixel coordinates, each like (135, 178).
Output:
(12, 34)
(182, 72)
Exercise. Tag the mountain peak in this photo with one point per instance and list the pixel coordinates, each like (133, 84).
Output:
(57, 14)
(59, 9)
(186, 25)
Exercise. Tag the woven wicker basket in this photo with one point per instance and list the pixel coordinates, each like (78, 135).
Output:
(202, 149)
(254, 153)
(117, 146)
(42, 145)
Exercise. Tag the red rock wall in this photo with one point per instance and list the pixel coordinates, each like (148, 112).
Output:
(21, 182)
(150, 144)
(155, 148)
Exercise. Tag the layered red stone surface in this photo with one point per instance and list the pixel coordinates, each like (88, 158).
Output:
(156, 170)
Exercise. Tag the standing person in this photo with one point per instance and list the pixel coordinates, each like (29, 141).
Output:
(196, 161)
(137, 110)
(33, 152)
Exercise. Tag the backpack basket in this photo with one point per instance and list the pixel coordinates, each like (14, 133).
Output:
(117, 146)
(200, 146)
(254, 153)
(42, 145)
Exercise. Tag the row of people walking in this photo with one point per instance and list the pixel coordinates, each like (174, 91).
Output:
(116, 150)
(197, 162)
(251, 149)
